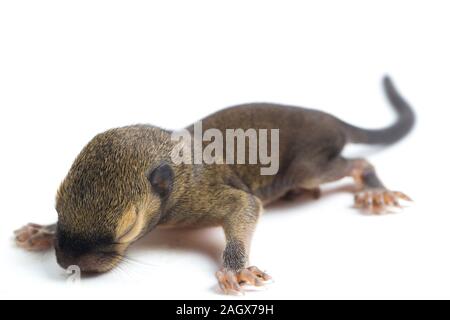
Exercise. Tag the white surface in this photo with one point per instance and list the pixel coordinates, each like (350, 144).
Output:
(69, 70)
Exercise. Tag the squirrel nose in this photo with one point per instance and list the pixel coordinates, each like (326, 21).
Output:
(90, 263)
(64, 260)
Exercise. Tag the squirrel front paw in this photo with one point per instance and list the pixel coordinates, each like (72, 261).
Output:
(34, 237)
(232, 282)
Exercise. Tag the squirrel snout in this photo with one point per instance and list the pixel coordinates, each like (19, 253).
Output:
(88, 262)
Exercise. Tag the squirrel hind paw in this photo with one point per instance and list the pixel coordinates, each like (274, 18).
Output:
(379, 201)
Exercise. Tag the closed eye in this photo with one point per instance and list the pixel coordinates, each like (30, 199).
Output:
(130, 227)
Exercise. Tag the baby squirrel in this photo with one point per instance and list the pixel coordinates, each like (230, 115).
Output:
(123, 184)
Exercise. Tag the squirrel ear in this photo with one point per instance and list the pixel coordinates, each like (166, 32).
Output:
(161, 180)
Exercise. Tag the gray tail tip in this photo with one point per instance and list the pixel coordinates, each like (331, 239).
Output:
(387, 81)
(389, 86)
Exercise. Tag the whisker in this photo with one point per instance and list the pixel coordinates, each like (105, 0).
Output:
(120, 267)
(131, 261)
(116, 272)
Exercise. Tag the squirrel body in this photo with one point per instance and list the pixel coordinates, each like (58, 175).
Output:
(124, 183)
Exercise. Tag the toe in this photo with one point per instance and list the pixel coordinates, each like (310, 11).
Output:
(22, 237)
(39, 243)
(378, 203)
(228, 282)
(260, 274)
(402, 196)
(248, 277)
(232, 280)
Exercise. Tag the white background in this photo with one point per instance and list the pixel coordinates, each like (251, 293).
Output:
(71, 69)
